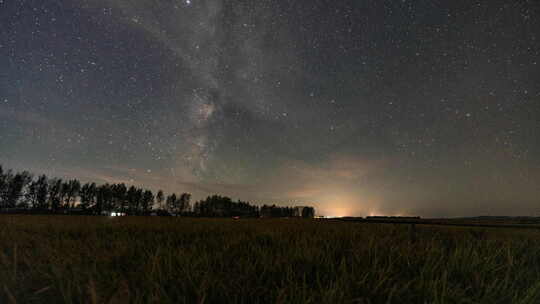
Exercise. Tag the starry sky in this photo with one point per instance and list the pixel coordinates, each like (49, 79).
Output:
(357, 107)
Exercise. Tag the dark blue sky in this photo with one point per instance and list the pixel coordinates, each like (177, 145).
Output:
(355, 107)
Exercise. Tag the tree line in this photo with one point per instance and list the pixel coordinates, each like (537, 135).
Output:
(21, 191)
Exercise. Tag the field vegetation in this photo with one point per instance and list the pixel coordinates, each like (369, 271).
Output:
(93, 259)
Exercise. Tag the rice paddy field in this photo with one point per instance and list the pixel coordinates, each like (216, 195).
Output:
(79, 259)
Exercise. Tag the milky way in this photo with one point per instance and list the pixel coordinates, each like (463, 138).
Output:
(355, 107)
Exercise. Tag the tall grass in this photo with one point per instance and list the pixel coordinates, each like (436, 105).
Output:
(71, 259)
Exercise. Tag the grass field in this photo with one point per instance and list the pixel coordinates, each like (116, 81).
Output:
(76, 259)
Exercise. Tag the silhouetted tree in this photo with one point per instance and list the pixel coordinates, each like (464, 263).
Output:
(42, 186)
(138, 200)
(55, 196)
(70, 190)
(308, 212)
(277, 211)
(160, 198)
(183, 202)
(147, 201)
(36, 194)
(131, 198)
(221, 206)
(16, 188)
(134, 198)
(88, 196)
(119, 197)
(104, 199)
(197, 208)
(12, 188)
(172, 203)
(4, 183)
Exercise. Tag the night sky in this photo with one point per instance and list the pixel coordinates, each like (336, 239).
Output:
(405, 107)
